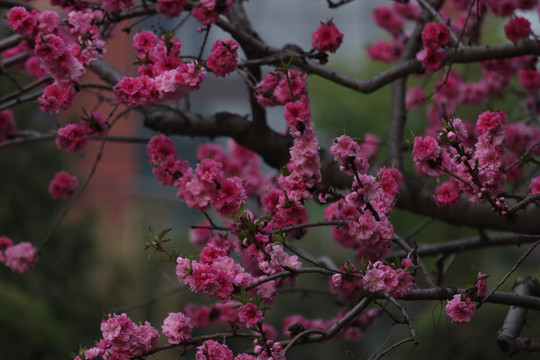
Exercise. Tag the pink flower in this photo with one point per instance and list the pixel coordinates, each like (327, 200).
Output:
(518, 28)
(212, 350)
(298, 116)
(72, 137)
(209, 170)
(249, 314)
(56, 98)
(435, 35)
(191, 75)
(177, 327)
(159, 148)
(63, 185)
(481, 285)
(22, 21)
(327, 37)
(446, 195)
(224, 57)
(431, 58)
(135, 91)
(460, 309)
(50, 48)
(21, 257)
(534, 187)
(491, 122)
(230, 196)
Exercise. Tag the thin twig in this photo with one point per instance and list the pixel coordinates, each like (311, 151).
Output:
(514, 268)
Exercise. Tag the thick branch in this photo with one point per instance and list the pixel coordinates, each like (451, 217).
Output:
(508, 338)
(502, 298)
(416, 194)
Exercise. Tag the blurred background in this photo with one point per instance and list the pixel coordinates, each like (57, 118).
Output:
(94, 264)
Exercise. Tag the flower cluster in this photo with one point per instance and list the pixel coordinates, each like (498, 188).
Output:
(395, 281)
(434, 36)
(163, 76)
(123, 339)
(278, 88)
(477, 170)
(366, 206)
(20, 257)
(62, 50)
(74, 137)
(216, 274)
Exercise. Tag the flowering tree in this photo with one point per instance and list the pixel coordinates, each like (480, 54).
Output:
(478, 172)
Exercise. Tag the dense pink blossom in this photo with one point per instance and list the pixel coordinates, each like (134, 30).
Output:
(56, 98)
(22, 21)
(124, 338)
(396, 282)
(460, 309)
(159, 148)
(72, 137)
(491, 122)
(135, 91)
(428, 156)
(190, 76)
(224, 57)
(435, 35)
(327, 37)
(63, 185)
(517, 28)
(230, 196)
(20, 257)
(211, 350)
(177, 327)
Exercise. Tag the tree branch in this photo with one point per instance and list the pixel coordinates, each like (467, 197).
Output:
(508, 337)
